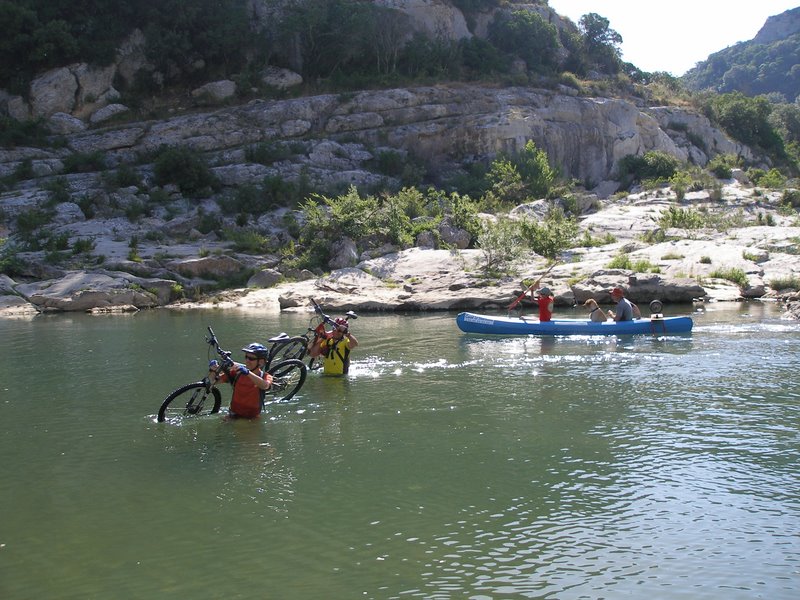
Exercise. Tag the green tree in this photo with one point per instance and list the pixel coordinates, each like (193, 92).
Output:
(527, 35)
(602, 42)
(745, 119)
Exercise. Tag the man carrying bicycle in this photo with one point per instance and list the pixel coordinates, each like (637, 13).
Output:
(249, 381)
(335, 346)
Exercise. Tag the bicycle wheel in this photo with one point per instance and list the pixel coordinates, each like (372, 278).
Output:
(293, 347)
(191, 400)
(287, 378)
(315, 363)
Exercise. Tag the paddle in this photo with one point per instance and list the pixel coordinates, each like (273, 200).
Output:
(530, 287)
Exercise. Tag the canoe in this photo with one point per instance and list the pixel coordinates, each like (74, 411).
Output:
(475, 323)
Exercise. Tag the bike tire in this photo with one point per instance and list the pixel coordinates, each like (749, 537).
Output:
(315, 363)
(288, 377)
(192, 400)
(294, 347)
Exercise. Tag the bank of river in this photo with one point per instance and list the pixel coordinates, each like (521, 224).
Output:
(446, 466)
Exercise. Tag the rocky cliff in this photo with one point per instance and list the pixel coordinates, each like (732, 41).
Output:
(444, 126)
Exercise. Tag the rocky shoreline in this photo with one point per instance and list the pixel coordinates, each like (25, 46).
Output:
(418, 279)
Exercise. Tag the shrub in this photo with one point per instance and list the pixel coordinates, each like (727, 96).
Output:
(126, 176)
(791, 198)
(654, 165)
(500, 244)
(771, 179)
(732, 274)
(525, 175)
(266, 153)
(10, 263)
(85, 162)
(642, 265)
(59, 191)
(184, 168)
(247, 240)
(32, 219)
(15, 133)
(83, 246)
(681, 218)
(791, 282)
(722, 165)
(549, 238)
(679, 183)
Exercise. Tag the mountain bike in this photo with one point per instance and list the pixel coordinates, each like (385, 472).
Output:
(297, 346)
(202, 397)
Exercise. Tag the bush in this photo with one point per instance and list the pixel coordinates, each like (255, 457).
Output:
(722, 166)
(681, 218)
(549, 238)
(526, 175)
(791, 198)
(500, 244)
(85, 162)
(655, 165)
(15, 133)
(185, 168)
(771, 179)
(83, 246)
(792, 282)
(735, 275)
(126, 176)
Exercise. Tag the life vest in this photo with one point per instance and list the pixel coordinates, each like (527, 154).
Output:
(248, 399)
(336, 355)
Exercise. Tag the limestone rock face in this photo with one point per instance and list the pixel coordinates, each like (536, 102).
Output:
(584, 137)
(53, 92)
(639, 288)
(779, 27)
(434, 17)
(213, 266)
(80, 291)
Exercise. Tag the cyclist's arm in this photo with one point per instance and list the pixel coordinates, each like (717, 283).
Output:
(352, 339)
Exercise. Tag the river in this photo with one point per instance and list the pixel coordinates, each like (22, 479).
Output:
(445, 466)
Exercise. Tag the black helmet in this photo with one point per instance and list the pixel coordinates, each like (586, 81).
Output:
(260, 350)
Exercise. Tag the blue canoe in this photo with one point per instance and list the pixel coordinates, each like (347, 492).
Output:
(474, 323)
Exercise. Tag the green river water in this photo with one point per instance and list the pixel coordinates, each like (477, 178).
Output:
(445, 466)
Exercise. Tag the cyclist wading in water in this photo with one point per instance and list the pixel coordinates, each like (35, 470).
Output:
(335, 348)
(249, 381)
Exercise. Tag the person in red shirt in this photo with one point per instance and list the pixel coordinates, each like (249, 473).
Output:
(545, 301)
(249, 380)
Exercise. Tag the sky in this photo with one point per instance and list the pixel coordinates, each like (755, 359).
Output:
(674, 35)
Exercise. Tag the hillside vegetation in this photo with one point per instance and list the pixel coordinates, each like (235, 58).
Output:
(769, 64)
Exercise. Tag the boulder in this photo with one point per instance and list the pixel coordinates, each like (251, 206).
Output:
(95, 88)
(454, 236)
(53, 92)
(216, 91)
(81, 290)
(64, 124)
(265, 278)
(217, 267)
(108, 112)
(280, 78)
(345, 254)
(639, 287)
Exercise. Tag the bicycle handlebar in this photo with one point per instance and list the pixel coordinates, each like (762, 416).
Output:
(227, 361)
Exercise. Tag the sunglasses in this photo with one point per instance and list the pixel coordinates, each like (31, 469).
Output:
(251, 357)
